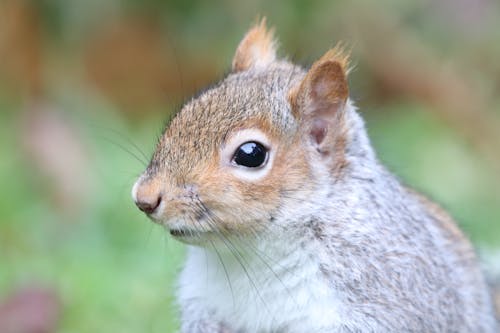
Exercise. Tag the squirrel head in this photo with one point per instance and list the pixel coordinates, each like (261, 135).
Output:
(256, 142)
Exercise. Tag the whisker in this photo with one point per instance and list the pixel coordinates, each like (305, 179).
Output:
(260, 255)
(125, 137)
(238, 256)
(225, 271)
(119, 145)
(176, 59)
(256, 253)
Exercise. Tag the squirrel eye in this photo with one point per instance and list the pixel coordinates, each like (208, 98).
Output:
(251, 155)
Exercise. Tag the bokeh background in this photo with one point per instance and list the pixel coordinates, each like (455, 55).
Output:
(86, 87)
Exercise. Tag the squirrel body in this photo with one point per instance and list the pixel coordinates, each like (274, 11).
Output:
(291, 222)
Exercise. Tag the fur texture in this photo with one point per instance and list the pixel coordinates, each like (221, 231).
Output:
(322, 238)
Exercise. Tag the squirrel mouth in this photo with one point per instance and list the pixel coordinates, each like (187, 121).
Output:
(191, 236)
(184, 234)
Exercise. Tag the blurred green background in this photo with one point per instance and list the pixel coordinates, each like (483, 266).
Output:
(87, 86)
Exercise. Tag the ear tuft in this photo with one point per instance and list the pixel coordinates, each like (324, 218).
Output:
(338, 54)
(257, 49)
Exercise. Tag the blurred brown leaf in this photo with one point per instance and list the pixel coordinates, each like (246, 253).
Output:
(20, 47)
(129, 61)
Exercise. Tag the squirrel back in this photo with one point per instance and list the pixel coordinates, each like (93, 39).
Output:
(291, 222)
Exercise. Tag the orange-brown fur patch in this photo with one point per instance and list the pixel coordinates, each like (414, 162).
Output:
(149, 189)
(338, 54)
(289, 164)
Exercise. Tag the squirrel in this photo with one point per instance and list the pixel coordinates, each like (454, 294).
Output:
(291, 222)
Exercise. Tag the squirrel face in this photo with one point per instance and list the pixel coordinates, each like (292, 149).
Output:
(228, 159)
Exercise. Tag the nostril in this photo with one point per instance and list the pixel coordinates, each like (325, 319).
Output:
(148, 206)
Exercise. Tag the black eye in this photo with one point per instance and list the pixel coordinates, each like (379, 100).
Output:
(250, 154)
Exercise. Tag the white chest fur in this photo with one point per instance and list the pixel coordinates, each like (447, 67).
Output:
(258, 294)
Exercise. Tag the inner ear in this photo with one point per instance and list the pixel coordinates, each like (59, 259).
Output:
(321, 100)
(318, 130)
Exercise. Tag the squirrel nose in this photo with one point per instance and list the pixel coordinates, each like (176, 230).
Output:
(148, 205)
(147, 197)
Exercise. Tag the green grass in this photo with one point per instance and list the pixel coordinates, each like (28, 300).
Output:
(113, 269)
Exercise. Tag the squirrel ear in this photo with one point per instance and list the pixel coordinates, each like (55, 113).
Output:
(257, 49)
(319, 100)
